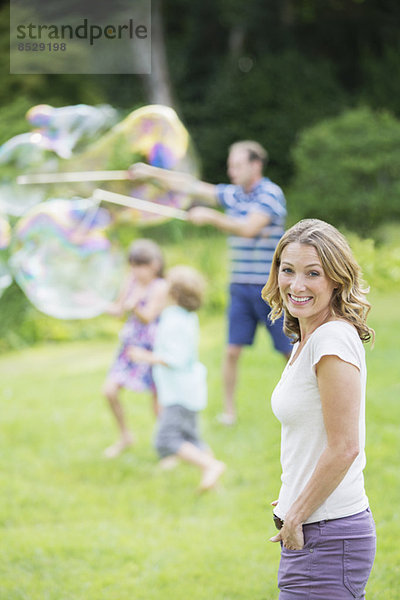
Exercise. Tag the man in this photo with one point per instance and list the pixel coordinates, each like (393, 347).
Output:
(255, 211)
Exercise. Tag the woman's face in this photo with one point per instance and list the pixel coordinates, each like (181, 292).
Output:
(305, 289)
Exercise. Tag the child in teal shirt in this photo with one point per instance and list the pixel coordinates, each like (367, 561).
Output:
(180, 378)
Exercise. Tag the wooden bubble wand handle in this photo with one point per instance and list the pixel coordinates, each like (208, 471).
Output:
(32, 178)
(139, 204)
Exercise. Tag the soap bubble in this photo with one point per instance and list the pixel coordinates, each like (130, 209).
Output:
(63, 261)
(152, 133)
(17, 200)
(5, 276)
(24, 153)
(5, 233)
(68, 129)
(156, 132)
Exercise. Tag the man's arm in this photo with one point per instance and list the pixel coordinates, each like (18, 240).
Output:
(249, 226)
(175, 181)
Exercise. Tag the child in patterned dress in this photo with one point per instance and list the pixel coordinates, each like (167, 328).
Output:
(143, 296)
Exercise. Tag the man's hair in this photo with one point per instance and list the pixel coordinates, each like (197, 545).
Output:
(254, 150)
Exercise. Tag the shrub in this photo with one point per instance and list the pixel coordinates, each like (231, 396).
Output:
(348, 170)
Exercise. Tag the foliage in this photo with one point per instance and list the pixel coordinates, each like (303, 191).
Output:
(74, 526)
(21, 324)
(278, 97)
(348, 170)
(380, 263)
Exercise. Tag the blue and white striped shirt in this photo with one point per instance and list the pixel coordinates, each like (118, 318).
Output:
(251, 258)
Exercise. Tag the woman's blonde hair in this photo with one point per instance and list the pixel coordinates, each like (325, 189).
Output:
(348, 300)
(186, 287)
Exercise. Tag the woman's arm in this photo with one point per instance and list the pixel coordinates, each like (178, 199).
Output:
(339, 387)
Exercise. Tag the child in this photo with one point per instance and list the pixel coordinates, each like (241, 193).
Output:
(180, 378)
(144, 296)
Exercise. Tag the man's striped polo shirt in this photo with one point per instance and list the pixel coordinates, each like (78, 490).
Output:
(251, 257)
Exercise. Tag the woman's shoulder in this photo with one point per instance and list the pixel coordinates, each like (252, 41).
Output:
(337, 337)
(336, 328)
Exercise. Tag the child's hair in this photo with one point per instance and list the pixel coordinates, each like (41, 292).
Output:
(186, 287)
(144, 252)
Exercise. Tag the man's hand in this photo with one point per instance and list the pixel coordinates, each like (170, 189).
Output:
(139, 170)
(202, 215)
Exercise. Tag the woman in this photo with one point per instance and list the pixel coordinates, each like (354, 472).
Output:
(327, 532)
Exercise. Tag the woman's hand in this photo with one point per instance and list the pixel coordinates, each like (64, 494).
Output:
(291, 537)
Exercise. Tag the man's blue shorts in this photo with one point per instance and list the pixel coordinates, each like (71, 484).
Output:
(246, 310)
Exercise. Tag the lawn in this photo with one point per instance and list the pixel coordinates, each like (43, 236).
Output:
(75, 526)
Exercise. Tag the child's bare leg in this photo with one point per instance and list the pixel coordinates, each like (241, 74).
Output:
(212, 468)
(169, 462)
(155, 405)
(111, 392)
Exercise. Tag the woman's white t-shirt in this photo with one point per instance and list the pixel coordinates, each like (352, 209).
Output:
(296, 403)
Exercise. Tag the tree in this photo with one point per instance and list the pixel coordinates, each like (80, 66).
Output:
(347, 170)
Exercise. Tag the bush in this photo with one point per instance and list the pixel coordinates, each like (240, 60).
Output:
(348, 170)
(380, 263)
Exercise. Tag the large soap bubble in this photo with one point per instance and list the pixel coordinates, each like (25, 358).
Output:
(5, 233)
(63, 261)
(23, 153)
(5, 237)
(152, 133)
(5, 276)
(60, 131)
(70, 128)
(156, 132)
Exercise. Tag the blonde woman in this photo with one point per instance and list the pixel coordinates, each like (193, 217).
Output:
(326, 529)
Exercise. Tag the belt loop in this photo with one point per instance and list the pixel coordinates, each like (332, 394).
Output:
(322, 523)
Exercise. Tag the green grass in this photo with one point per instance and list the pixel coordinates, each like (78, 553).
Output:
(77, 527)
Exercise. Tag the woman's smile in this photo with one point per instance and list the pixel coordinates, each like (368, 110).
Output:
(304, 286)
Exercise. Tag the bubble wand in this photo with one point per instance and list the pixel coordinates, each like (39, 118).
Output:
(137, 203)
(32, 178)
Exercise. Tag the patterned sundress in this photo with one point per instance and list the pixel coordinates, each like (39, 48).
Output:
(128, 374)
